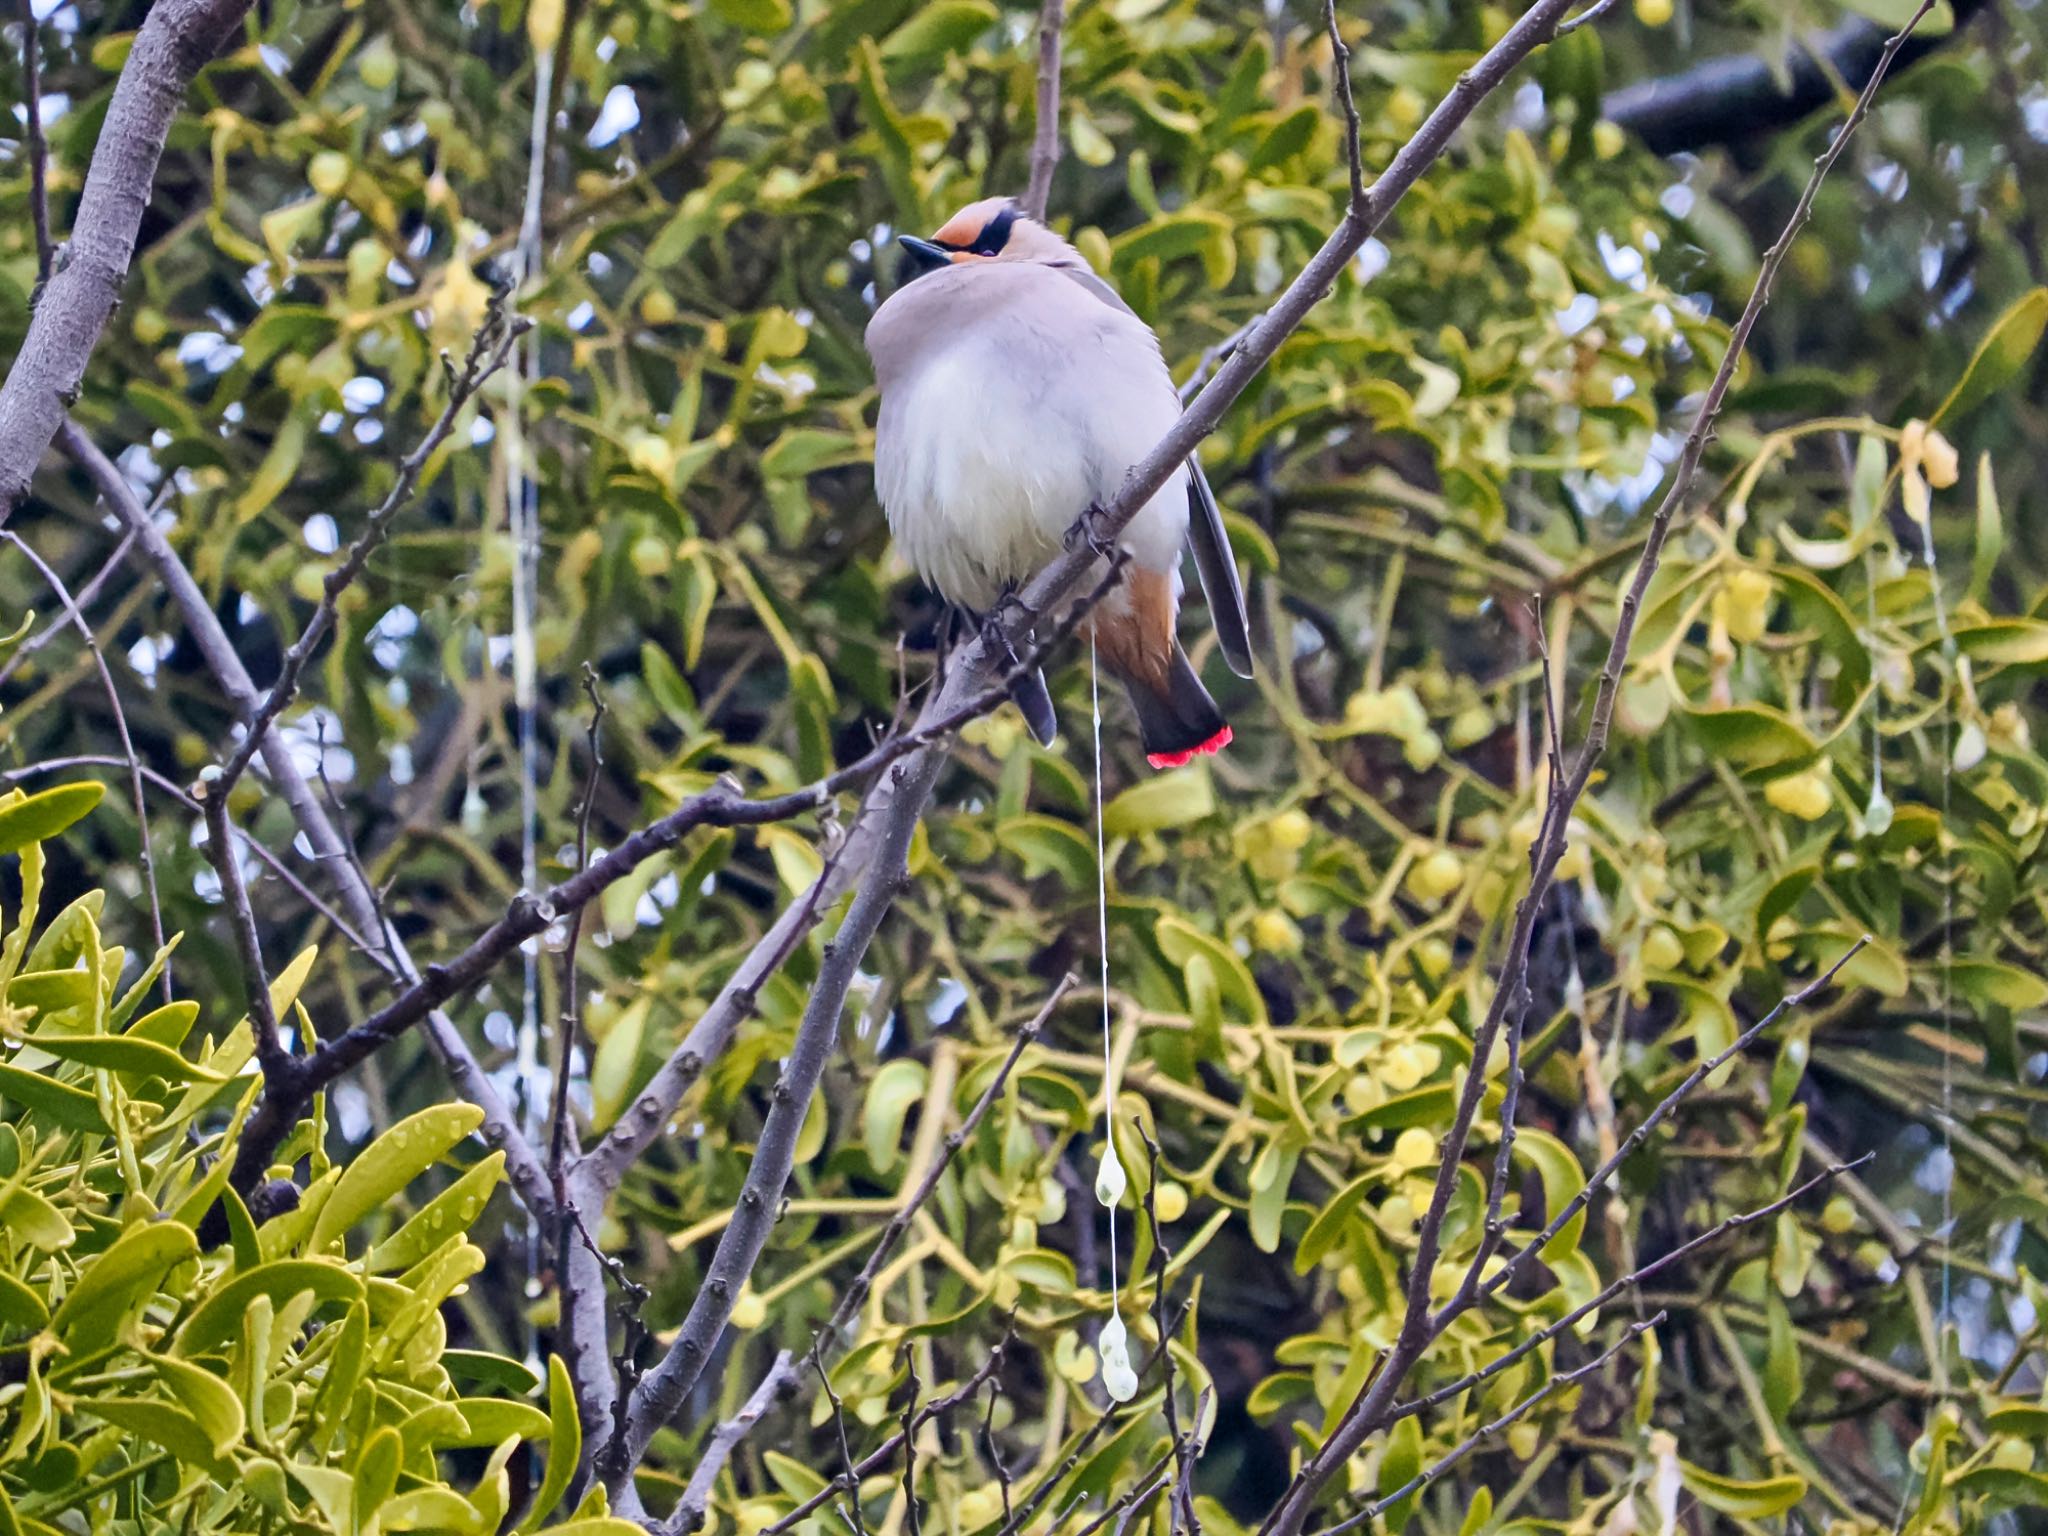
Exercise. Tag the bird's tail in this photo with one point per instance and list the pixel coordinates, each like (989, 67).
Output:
(1177, 720)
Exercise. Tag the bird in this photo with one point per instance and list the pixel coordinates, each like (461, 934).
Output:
(1017, 391)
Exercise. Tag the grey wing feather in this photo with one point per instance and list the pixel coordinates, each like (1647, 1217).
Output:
(1218, 570)
(1034, 699)
(1213, 560)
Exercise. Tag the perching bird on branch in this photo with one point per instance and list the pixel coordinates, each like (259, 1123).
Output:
(1018, 390)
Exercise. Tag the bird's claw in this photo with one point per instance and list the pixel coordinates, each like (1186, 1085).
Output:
(1087, 530)
(995, 624)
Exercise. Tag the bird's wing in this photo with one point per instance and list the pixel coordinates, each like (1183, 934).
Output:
(1218, 570)
(1211, 546)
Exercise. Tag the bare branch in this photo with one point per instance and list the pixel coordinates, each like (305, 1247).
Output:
(38, 146)
(271, 1055)
(176, 40)
(274, 1116)
(1628, 1282)
(689, 1512)
(664, 1388)
(1587, 17)
(1045, 138)
(1366, 1413)
(1347, 103)
(885, 1453)
(1465, 1447)
(74, 611)
(488, 351)
(856, 1292)
(1185, 1450)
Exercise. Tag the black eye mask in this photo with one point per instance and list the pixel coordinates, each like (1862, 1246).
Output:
(922, 256)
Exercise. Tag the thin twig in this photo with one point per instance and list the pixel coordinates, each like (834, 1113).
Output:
(885, 1453)
(1628, 1282)
(690, 1509)
(1347, 103)
(571, 1022)
(271, 1121)
(1587, 17)
(271, 1055)
(1464, 1448)
(74, 609)
(856, 1292)
(1045, 138)
(1420, 1325)
(38, 146)
(488, 351)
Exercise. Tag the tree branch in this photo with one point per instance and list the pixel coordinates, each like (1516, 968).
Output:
(176, 40)
(38, 146)
(74, 611)
(1465, 1447)
(487, 354)
(1420, 1326)
(661, 1393)
(1736, 98)
(273, 1117)
(1045, 138)
(221, 852)
(689, 1512)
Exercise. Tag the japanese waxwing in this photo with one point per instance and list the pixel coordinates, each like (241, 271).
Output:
(1018, 391)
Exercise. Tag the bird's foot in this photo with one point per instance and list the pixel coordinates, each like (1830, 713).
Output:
(996, 623)
(1088, 530)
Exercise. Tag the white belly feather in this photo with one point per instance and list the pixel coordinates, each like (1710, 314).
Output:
(999, 436)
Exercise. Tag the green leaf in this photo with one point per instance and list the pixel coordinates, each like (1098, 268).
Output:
(34, 1219)
(1742, 1500)
(40, 817)
(896, 1086)
(1562, 1180)
(1180, 939)
(377, 1467)
(211, 1401)
(132, 1057)
(2008, 642)
(490, 1370)
(453, 1210)
(565, 1443)
(1990, 532)
(763, 16)
(2001, 354)
(940, 28)
(21, 1307)
(1752, 735)
(219, 1317)
(1782, 1377)
(1399, 1466)
(122, 1279)
(159, 1423)
(69, 1108)
(2004, 986)
(1050, 846)
(1173, 799)
(1327, 1230)
(390, 1163)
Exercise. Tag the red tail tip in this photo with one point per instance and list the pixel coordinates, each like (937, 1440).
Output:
(1214, 744)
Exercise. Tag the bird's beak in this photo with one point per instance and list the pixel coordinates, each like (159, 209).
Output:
(921, 256)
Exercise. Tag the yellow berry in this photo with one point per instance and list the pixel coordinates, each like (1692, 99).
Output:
(1661, 949)
(1653, 13)
(328, 172)
(658, 306)
(1436, 876)
(1275, 933)
(1170, 1200)
(1804, 795)
(1414, 1148)
(749, 1311)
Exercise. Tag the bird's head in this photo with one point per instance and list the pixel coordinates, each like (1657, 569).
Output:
(994, 229)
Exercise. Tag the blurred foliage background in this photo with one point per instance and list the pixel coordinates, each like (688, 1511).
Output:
(1825, 731)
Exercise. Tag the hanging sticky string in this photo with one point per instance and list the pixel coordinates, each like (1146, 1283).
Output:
(544, 29)
(1118, 1379)
(1955, 748)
